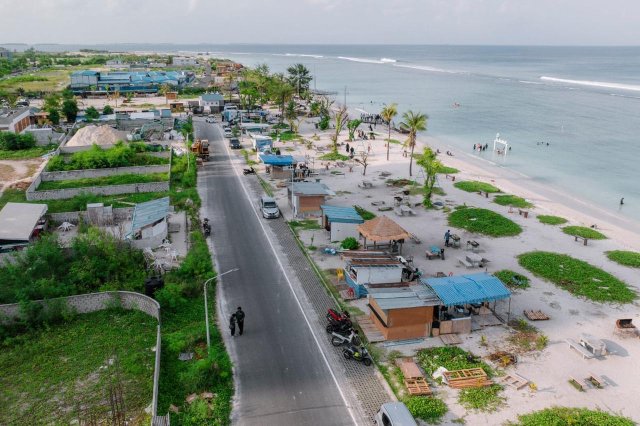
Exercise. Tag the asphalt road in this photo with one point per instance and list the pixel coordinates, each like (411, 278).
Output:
(281, 376)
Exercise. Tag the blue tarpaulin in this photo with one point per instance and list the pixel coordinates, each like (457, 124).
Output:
(277, 160)
(467, 289)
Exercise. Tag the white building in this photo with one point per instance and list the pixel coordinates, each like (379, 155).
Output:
(184, 61)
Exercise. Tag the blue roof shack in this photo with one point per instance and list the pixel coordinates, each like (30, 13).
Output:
(279, 166)
(341, 222)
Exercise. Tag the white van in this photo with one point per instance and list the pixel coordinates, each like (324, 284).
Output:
(394, 414)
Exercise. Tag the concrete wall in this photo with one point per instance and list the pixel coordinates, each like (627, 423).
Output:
(63, 194)
(94, 173)
(119, 214)
(378, 274)
(340, 231)
(43, 135)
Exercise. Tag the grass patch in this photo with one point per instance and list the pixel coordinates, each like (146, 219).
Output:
(49, 80)
(452, 358)
(577, 277)
(249, 161)
(120, 155)
(446, 170)
(551, 220)
(583, 231)
(512, 279)
(526, 337)
(512, 200)
(104, 181)
(285, 136)
(47, 374)
(393, 141)
(365, 214)
(483, 221)
(426, 408)
(25, 154)
(563, 416)
(436, 190)
(626, 258)
(268, 188)
(305, 224)
(486, 399)
(475, 186)
(334, 156)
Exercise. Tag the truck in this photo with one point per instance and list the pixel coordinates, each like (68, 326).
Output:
(200, 149)
(261, 143)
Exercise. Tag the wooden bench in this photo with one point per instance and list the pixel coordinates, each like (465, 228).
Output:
(577, 237)
(596, 381)
(535, 315)
(465, 262)
(580, 349)
(578, 383)
(452, 177)
(485, 193)
(524, 213)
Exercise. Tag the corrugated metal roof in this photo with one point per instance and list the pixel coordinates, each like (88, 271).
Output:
(311, 188)
(466, 289)
(211, 97)
(403, 297)
(341, 214)
(148, 213)
(277, 160)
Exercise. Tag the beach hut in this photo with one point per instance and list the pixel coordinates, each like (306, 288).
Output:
(341, 222)
(305, 198)
(383, 231)
(364, 273)
(403, 313)
(281, 166)
(149, 225)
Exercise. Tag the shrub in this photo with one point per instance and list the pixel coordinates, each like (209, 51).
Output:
(512, 279)
(483, 221)
(577, 277)
(365, 214)
(482, 399)
(551, 220)
(626, 258)
(512, 200)
(475, 186)
(582, 231)
(450, 357)
(323, 124)
(120, 155)
(563, 416)
(349, 243)
(448, 170)
(10, 141)
(334, 156)
(426, 408)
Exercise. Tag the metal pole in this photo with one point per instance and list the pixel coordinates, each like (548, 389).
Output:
(206, 305)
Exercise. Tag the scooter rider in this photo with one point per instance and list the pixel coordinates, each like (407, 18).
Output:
(240, 319)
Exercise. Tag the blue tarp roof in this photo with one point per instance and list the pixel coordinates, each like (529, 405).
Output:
(341, 214)
(467, 289)
(149, 212)
(277, 160)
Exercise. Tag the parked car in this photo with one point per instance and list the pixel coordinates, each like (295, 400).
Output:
(234, 143)
(227, 133)
(269, 208)
(394, 414)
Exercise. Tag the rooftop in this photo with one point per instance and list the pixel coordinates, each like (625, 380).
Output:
(17, 220)
(148, 213)
(467, 289)
(404, 297)
(212, 97)
(382, 228)
(277, 160)
(311, 188)
(341, 214)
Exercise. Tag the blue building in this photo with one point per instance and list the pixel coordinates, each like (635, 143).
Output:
(124, 81)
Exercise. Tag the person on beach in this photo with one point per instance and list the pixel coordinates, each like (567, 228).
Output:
(240, 318)
(447, 235)
(347, 148)
(232, 324)
(622, 201)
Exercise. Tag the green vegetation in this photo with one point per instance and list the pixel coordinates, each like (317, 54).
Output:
(350, 243)
(95, 261)
(526, 337)
(25, 154)
(46, 375)
(551, 220)
(431, 167)
(626, 258)
(563, 416)
(183, 185)
(476, 186)
(365, 214)
(104, 181)
(10, 141)
(512, 279)
(427, 408)
(448, 170)
(120, 155)
(512, 200)
(334, 156)
(577, 277)
(305, 224)
(249, 161)
(450, 357)
(393, 141)
(485, 399)
(583, 231)
(483, 221)
(268, 188)
(285, 136)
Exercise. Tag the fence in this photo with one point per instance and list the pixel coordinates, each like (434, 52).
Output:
(92, 302)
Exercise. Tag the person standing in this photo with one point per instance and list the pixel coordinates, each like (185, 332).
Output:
(240, 319)
(232, 324)
(447, 235)
(622, 201)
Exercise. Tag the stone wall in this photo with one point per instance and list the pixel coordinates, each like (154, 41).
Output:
(94, 173)
(63, 194)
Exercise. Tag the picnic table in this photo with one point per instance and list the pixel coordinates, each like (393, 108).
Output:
(474, 259)
(365, 184)
(434, 252)
(407, 211)
(474, 245)
(455, 240)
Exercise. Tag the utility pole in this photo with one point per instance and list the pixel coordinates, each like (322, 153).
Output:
(206, 305)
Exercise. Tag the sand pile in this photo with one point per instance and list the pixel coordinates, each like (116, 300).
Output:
(99, 135)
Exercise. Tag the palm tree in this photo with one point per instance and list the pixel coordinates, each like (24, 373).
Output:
(299, 77)
(281, 92)
(387, 114)
(415, 122)
(341, 117)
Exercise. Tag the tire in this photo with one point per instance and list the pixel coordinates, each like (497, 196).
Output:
(329, 328)
(367, 361)
(346, 354)
(356, 340)
(336, 341)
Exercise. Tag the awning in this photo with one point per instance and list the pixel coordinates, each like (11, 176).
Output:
(277, 160)
(467, 289)
(149, 213)
(381, 229)
(341, 214)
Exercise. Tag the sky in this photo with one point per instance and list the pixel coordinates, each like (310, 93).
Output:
(492, 22)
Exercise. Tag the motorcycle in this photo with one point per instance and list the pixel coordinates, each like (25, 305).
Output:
(339, 322)
(206, 228)
(358, 353)
(249, 171)
(351, 337)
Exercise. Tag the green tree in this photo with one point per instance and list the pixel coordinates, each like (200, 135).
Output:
(70, 109)
(91, 113)
(352, 126)
(429, 162)
(290, 114)
(107, 110)
(341, 117)
(388, 113)
(281, 92)
(248, 94)
(299, 78)
(54, 115)
(52, 101)
(415, 122)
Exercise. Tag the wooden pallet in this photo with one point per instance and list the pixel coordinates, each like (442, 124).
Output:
(409, 368)
(371, 332)
(535, 315)
(467, 378)
(515, 380)
(417, 387)
(450, 339)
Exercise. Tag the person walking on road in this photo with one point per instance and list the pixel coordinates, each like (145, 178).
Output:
(232, 325)
(240, 319)
(447, 235)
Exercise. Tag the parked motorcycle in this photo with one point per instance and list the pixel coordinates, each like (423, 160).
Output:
(249, 171)
(358, 353)
(350, 337)
(339, 322)
(206, 228)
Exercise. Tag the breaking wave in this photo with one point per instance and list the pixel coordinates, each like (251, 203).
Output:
(362, 60)
(304, 55)
(389, 60)
(603, 84)
(430, 69)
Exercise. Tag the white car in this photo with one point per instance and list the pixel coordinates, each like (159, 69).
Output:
(394, 414)
(228, 133)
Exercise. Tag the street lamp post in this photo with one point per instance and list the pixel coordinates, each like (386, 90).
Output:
(206, 305)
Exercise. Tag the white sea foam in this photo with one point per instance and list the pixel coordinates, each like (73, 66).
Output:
(389, 60)
(604, 84)
(530, 82)
(362, 60)
(304, 55)
(430, 69)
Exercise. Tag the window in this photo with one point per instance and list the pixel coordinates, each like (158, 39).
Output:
(385, 420)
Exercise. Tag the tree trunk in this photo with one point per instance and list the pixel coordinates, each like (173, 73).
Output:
(413, 145)
(389, 140)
